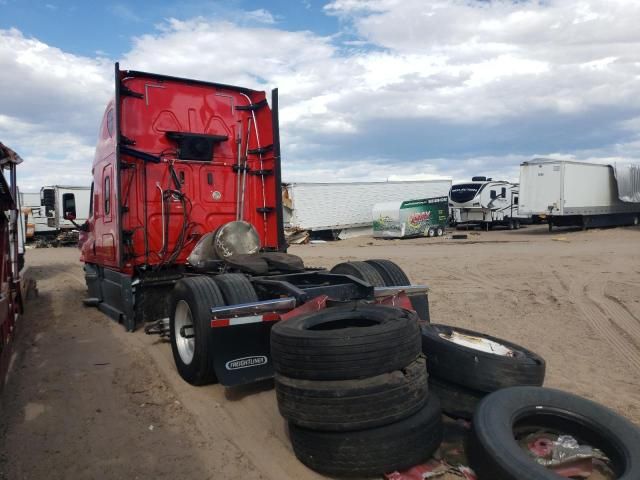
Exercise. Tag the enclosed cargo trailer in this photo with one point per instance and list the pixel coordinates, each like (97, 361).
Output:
(413, 218)
(572, 193)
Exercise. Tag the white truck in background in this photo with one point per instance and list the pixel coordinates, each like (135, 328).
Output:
(56, 200)
(485, 203)
(35, 213)
(573, 193)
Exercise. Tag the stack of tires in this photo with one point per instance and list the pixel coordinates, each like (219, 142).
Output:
(352, 383)
(464, 366)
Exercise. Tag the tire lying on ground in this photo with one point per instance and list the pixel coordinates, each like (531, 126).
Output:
(451, 357)
(345, 343)
(375, 451)
(361, 270)
(456, 401)
(341, 405)
(393, 276)
(190, 328)
(495, 454)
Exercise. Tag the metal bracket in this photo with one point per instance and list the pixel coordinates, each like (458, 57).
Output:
(126, 91)
(261, 150)
(253, 106)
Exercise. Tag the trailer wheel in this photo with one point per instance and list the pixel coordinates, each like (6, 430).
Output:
(394, 276)
(512, 224)
(456, 401)
(190, 328)
(371, 452)
(345, 343)
(361, 270)
(236, 288)
(431, 232)
(439, 232)
(478, 361)
(504, 417)
(347, 405)
(517, 224)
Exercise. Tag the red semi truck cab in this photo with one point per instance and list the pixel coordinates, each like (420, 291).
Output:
(176, 159)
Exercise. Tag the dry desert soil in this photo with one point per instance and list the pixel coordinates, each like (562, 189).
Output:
(86, 400)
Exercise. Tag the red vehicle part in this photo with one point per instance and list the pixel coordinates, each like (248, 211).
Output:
(10, 291)
(175, 160)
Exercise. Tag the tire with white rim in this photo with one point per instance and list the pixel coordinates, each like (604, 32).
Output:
(478, 361)
(190, 328)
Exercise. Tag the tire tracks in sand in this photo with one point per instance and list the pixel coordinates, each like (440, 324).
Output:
(607, 316)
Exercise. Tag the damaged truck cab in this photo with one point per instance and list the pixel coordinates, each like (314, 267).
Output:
(185, 232)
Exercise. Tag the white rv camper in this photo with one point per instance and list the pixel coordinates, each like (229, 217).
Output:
(572, 193)
(485, 203)
(57, 200)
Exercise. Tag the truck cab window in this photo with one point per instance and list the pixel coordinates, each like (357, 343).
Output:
(493, 194)
(503, 192)
(91, 201)
(107, 195)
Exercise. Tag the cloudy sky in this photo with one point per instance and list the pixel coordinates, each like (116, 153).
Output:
(370, 89)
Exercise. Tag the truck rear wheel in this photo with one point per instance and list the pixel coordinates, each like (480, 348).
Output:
(190, 328)
(361, 270)
(394, 276)
(236, 288)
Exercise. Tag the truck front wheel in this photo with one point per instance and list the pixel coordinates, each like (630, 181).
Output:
(190, 328)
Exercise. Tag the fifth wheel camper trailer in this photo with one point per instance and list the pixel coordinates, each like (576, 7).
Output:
(485, 203)
(572, 193)
(57, 200)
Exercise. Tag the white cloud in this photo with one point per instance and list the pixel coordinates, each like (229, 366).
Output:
(457, 66)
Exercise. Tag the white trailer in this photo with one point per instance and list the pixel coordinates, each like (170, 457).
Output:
(341, 206)
(485, 203)
(56, 200)
(572, 193)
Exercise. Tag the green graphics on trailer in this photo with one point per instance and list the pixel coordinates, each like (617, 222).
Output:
(419, 215)
(410, 218)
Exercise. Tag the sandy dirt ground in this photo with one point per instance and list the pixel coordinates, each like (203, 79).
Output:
(85, 399)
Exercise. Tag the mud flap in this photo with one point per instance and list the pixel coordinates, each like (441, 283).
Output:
(242, 353)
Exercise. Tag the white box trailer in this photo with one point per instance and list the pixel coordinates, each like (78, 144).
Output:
(572, 193)
(338, 206)
(58, 199)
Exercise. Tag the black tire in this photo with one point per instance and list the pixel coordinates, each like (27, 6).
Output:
(456, 401)
(236, 288)
(512, 225)
(431, 232)
(495, 454)
(476, 369)
(347, 405)
(374, 451)
(361, 270)
(517, 224)
(439, 232)
(345, 343)
(393, 275)
(200, 293)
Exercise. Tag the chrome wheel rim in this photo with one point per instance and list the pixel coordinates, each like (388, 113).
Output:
(183, 332)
